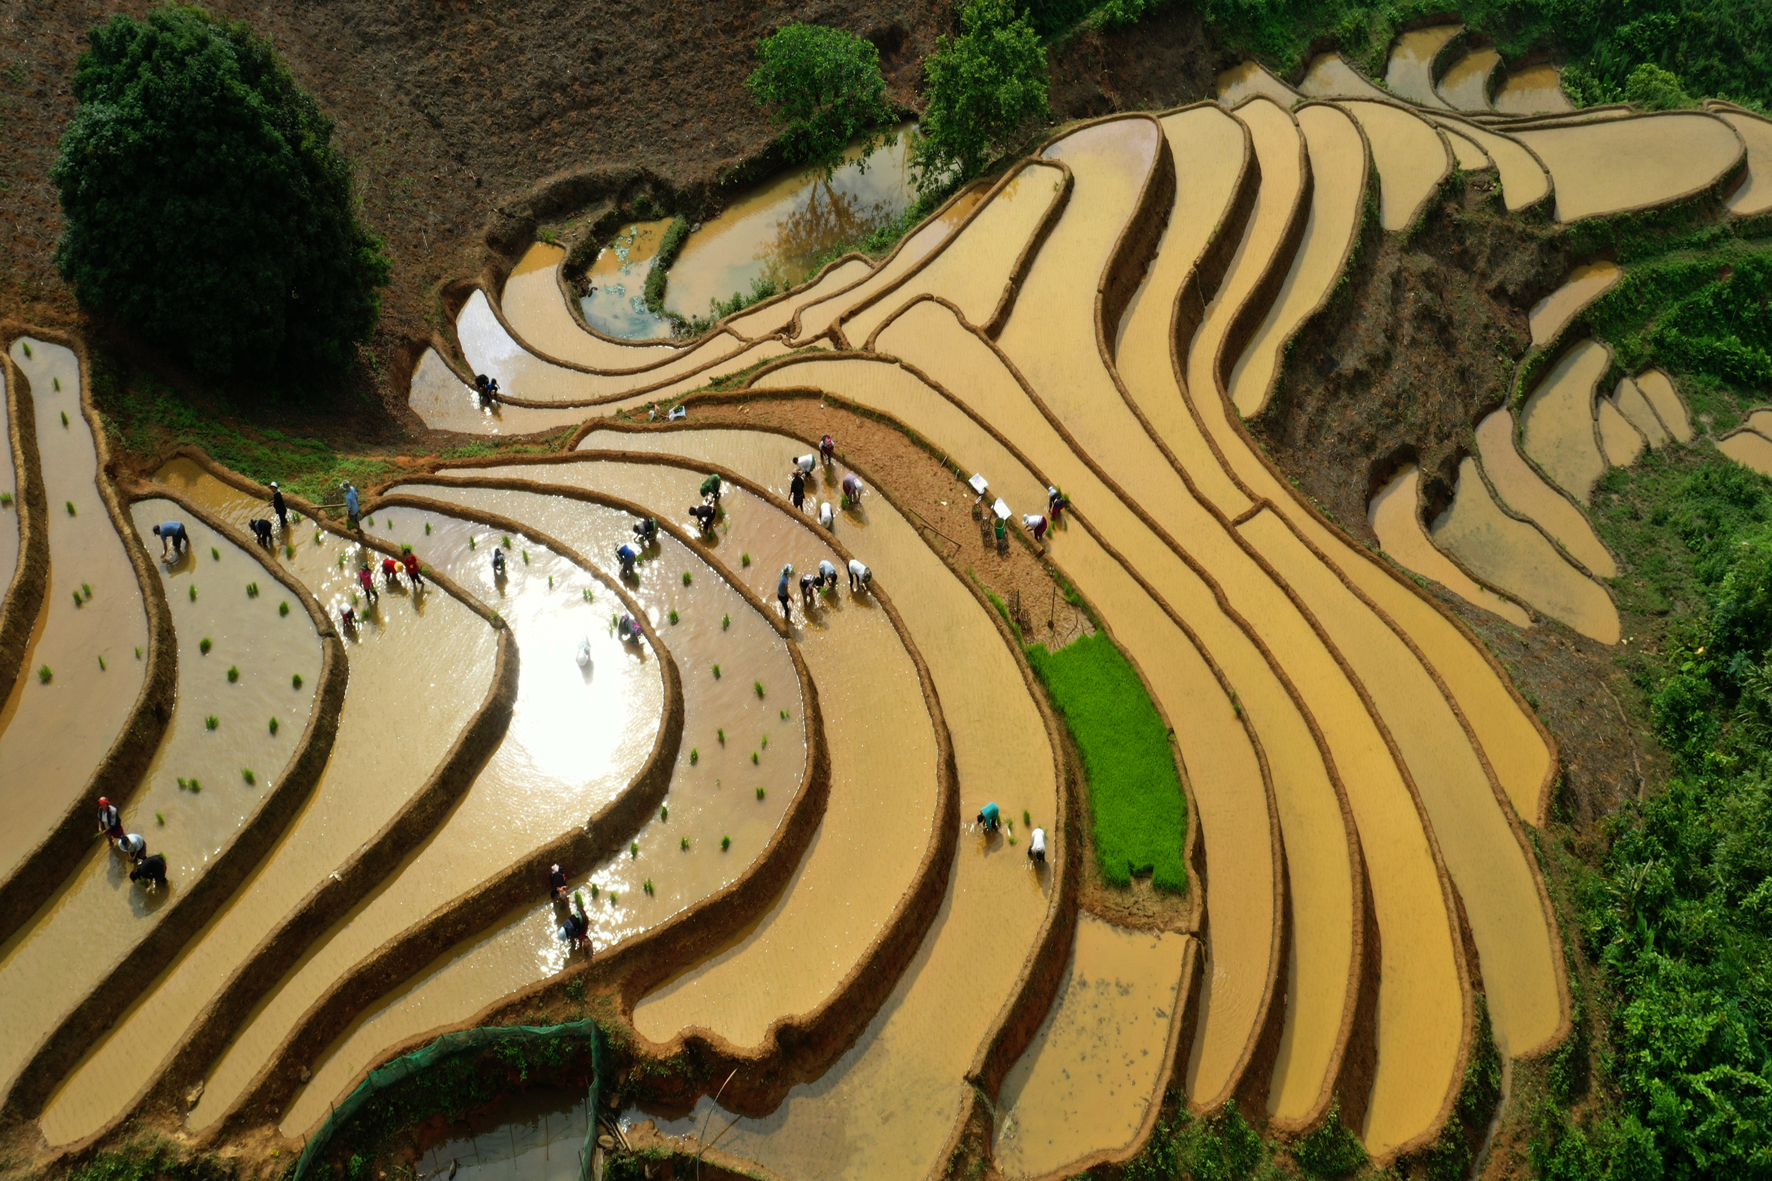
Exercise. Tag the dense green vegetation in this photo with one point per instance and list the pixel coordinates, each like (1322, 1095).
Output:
(1135, 799)
(1719, 48)
(980, 88)
(824, 89)
(206, 205)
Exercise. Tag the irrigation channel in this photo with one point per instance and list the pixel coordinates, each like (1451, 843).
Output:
(765, 803)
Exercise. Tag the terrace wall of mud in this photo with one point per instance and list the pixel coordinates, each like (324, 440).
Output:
(197, 900)
(795, 1049)
(39, 874)
(209, 1035)
(267, 1096)
(23, 599)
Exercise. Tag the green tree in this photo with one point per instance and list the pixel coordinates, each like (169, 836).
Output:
(982, 86)
(206, 206)
(824, 89)
(1655, 89)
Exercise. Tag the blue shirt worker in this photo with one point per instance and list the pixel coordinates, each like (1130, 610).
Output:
(990, 817)
(172, 533)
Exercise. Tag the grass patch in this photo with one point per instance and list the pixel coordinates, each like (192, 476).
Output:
(1135, 796)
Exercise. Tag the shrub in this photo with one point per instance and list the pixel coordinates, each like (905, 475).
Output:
(1655, 89)
(824, 89)
(980, 88)
(181, 111)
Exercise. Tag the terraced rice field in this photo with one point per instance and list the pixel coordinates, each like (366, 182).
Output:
(767, 807)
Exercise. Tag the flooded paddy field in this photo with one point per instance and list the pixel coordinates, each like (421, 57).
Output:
(889, 980)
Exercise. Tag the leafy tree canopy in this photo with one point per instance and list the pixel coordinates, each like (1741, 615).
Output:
(981, 87)
(206, 205)
(823, 87)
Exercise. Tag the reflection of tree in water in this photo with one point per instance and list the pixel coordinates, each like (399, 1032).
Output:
(831, 216)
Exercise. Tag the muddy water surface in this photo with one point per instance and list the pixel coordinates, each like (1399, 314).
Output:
(1465, 87)
(1470, 157)
(1658, 387)
(535, 304)
(98, 916)
(777, 233)
(390, 739)
(1621, 441)
(1249, 78)
(1091, 1072)
(1535, 90)
(53, 733)
(1608, 167)
(1557, 420)
(1394, 517)
(712, 793)
(1522, 489)
(444, 402)
(1331, 77)
(1338, 170)
(888, 1105)
(1750, 449)
(1410, 70)
(1636, 409)
(1581, 287)
(1755, 193)
(974, 269)
(574, 742)
(779, 316)
(1523, 178)
(1409, 156)
(1516, 557)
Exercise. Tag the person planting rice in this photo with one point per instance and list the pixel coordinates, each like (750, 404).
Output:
(410, 561)
(646, 530)
(852, 488)
(827, 447)
(806, 463)
(278, 507)
(350, 503)
(1034, 523)
(825, 516)
(556, 882)
(797, 489)
(347, 618)
(1037, 847)
(860, 577)
(151, 872)
(710, 489)
(261, 531)
(172, 533)
(781, 590)
(1056, 502)
(628, 630)
(390, 572)
(827, 575)
(807, 585)
(626, 554)
(577, 930)
(367, 582)
(487, 388)
(134, 846)
(498, 562)
(704, 515)
(990, 817)
(109, 822)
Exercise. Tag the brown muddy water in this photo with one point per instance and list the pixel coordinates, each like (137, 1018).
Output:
(1621, 441)
(1522, 489)
(1470, 157)
(99, 916)
(1465, 87)
(1338, 169)
(1658, 388)
(1557, 420)
(1394, 515)
(1249, 78)
(418, 671)
(1748, 448)
(1093, 1069)
(1517, 558)
(1636, 409)
(1409, 157)
(1611, 166)
(1331, 77)
(1523, 178)
(577, 737)
(1409, 71)
(780, 315)
(53, 733)
(712, 792)
(973, 271)
(816, 318)
(1581, 287)
(1535, 90)
(535, 304)
(887, 1107)
(446, 403)
(1755, 193)
(777, 233)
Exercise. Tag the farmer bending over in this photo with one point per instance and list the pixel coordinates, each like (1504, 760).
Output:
(1037, 847)
(860, 577)
(172, 533)
(151, 872)
(710, 489)
(261, 531)
(990, 817)
(1034, 523)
